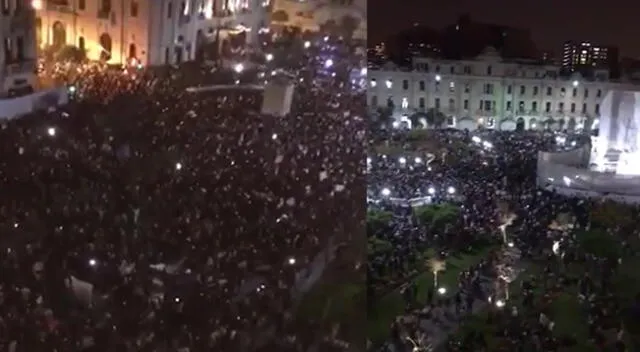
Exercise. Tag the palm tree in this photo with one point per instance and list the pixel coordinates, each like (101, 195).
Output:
(436, 265)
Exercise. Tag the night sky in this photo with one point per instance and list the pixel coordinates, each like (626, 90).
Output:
(612, 22)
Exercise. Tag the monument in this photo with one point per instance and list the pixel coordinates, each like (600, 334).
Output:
(617, 147)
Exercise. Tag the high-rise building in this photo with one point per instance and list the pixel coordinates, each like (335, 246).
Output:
(149, 31)
(584, 56)
(18, 56)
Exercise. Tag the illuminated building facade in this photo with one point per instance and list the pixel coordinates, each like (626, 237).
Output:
(18, 45)
(311, 15)
(151, 32)
(585, 56)
(489, 92)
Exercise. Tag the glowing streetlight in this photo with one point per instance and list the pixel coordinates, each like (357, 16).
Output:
(575, 83)
(92, 262)
(238, 68)
(386, 192)
(307, 44)
(328, 63)
(363, 71)
(431, 191)
(418, 160)
(438, 78)
(402, 160)
(442, 290)
(500, 303)
(292, 261)
(178, 166)
(451, 190)
(51, 131)
(269, 57)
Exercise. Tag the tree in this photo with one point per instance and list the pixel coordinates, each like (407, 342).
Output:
(280, 17)
(435, 118)
(331, 27)
(416, 119)
(377, 221)
(349, 25)
(437, 216)
(600, 244)
(385, 116)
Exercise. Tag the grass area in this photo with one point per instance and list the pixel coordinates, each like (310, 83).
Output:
(392, 305)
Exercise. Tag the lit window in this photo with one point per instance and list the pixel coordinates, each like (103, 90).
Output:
(389, 83)
(405, 103)
(373, 83)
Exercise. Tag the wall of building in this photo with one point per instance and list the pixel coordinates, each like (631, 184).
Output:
(18, 70)
(158, 31)
(459, 87)
(41, 100)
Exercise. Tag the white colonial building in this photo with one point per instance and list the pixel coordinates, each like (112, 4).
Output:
(150, 31)
(490, 92)
(18, 45)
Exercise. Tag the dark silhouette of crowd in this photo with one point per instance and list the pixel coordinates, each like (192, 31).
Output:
(142, 217)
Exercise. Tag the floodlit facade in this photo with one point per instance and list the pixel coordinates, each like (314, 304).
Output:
(491, 93)
(310, 15)
(151, 32)
(18, 57)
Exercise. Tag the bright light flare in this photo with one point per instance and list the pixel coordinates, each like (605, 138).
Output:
(328, 63)
(51, 131)
(269, 57)
(442, 290)
(178, 166)
(451, 190)
(386, 192)
(431, 191)
(36, 4)
(238, 68)
(402, 160)
(307, 44)
(292, 261)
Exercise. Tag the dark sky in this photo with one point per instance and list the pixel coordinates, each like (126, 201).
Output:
(611, 22)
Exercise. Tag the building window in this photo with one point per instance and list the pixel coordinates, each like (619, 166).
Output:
(421, 86)
(421, 103)
(563, 92)
(374, 101)
(437, 86)
(488, 88)
(599, 93)
(405, 84)
(466, 104)
(437, 103)
(20, 48)
(561, 106)
(134, 8)
(573, 107)
(467, 88)
(509, 107)
(373, 82)
(437, 68)
(82, 5)
(523, 89)
(597, 109)
(586, 93)
(405, 103)
(547, 107)
(169, 9)
(81, 43)
(389, 84)
(7, 50)
(6, 7)
(509, 88)
(452, 70)
(452, 104)
(489, 70)
(535, 90)
(549, 91)
(481, 105)
(521, 107)
(467, 70)
(534, 106)
(575, 92)
(488, 105)
(452, 87)
(584, 108)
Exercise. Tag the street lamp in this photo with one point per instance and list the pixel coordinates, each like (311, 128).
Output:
(386, 192)
(575, 83)
(36, 4)
(438, 78)
(431, 191)
(238, 68)
(451, 190)
(402, 160)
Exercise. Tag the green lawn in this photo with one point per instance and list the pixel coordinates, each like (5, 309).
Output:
(392, 305)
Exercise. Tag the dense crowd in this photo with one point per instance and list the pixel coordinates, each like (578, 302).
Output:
(143, 217)
(493, 183)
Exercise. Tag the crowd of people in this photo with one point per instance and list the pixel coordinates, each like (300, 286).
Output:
(144, 217)
(493, 182)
